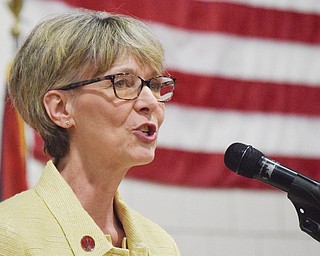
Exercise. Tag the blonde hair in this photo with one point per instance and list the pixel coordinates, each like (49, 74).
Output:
(64, 49)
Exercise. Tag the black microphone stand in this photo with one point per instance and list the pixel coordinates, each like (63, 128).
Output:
(304, 193)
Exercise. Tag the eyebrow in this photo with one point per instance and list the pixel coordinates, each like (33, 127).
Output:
(133, 72)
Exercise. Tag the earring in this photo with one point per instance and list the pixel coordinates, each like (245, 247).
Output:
(67, 122)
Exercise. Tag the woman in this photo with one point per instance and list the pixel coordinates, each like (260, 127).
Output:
(91, 84)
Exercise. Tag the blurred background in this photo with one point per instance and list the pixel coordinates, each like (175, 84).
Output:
(248, 71)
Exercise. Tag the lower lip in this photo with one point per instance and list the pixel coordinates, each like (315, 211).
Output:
(144, 137)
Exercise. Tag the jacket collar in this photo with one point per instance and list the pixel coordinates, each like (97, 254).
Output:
(135, 238)
(76, 223)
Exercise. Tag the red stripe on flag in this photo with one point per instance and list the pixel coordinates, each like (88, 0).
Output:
(224, 93)
(236, 19)
(208, 170)
(188, 168)
(13, 165)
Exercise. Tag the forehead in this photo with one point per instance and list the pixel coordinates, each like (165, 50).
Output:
(131, 65)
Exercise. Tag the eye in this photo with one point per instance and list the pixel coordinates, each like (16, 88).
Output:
(155, 85)
(123, 83)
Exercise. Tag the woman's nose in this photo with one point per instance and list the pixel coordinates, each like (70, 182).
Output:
(146, 101)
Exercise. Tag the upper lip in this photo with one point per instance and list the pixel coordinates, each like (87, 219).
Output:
(148, 128)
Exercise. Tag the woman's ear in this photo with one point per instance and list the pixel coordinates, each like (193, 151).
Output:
(58, 107)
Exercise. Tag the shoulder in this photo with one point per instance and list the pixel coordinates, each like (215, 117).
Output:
(24, 213)
(19, 205)
(148, 225)
(14, 204)
(27, 227)
(141, 230)
(11, 242)
(12, 213)
(155, 236)
(20, 210)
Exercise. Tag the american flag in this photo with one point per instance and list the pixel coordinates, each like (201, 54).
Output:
(247, 70)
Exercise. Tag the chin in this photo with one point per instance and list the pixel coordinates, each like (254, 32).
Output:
(144, 159)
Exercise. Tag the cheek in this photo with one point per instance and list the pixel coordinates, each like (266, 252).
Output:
(160, 114)
(94, 110)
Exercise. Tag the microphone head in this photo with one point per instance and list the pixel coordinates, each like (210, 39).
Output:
(243, 159)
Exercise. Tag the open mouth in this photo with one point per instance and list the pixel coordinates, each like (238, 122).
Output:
(148, 129)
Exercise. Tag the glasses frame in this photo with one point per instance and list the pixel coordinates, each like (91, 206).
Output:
(111, 78)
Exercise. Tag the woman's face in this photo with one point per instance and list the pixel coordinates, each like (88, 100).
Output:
(115, 132)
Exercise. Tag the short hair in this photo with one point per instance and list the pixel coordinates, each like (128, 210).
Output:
(65, 48)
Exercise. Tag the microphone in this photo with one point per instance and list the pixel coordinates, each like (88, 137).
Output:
(303, 192)
(251, 163)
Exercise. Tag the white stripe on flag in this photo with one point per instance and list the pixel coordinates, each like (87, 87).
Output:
(210, 131)
(241, 58)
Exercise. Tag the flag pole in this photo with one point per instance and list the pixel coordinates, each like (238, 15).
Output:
(15, 7)
(13, 162)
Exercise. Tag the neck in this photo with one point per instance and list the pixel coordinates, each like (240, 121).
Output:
(96, 188)
(105, 216)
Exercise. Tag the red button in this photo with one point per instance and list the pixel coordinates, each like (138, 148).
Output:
(87, 243)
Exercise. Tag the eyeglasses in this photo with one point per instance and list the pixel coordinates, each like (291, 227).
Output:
(128, 87)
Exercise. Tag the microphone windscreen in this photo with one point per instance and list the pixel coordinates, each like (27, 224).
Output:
(242, 159)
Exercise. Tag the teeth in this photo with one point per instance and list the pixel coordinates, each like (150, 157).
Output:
(145, 129)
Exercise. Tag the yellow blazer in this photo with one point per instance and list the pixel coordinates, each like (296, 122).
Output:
(49, 220)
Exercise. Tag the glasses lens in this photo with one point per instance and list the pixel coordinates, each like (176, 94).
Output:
(162, 88)
(127, 86)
